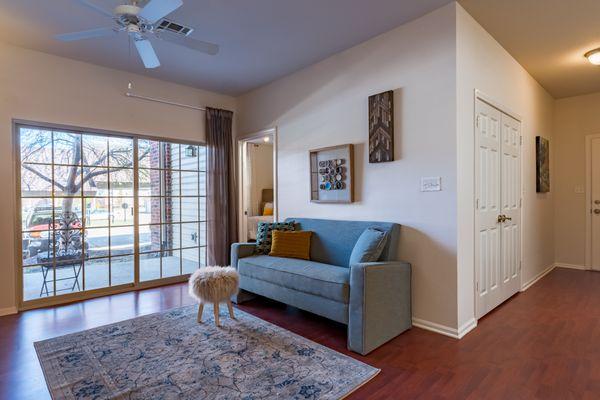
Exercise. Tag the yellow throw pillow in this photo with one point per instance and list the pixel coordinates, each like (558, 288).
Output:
(268, 208)
(292, 244)
(268, 211)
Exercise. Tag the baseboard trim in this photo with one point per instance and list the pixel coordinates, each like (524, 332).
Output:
(8, 311)
(445, 330)
(537, 277)
(571, 266)
(467, 327)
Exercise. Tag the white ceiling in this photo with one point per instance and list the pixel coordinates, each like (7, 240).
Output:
(260, 40)
(548, 38)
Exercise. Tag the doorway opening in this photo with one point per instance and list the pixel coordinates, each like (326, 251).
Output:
(258, 177)
(592, 256)
(103, 212)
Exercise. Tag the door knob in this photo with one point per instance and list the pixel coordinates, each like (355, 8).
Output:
(503, 218)
(596, 201)
(596, 210)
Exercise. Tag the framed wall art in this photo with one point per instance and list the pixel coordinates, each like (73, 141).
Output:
(332, 174)
(381, 127)
(542, 165)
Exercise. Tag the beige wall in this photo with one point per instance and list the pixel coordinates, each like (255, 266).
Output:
(575, 117)
(40, 87)
(326, 104)
(433, 64)
(483, 64)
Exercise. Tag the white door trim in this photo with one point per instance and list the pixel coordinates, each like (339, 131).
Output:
(480, 95)
(588, 198)
(240, 146)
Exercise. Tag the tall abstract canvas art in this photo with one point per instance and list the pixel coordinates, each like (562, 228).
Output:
(542, 165)
(381, 127)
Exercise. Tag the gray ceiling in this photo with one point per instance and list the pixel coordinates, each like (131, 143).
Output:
(261, 40)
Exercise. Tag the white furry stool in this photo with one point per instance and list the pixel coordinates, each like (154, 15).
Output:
(214, 285)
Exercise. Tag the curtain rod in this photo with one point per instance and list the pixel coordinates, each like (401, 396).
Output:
(137, 96)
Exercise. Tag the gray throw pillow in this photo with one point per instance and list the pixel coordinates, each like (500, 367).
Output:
(369, 246)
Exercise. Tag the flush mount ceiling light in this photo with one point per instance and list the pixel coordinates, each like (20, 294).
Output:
(266, 139)
(593, 56)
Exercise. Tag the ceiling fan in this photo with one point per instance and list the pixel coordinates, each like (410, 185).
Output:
(141, 24)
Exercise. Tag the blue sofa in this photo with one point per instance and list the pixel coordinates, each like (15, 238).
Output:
(373, 299)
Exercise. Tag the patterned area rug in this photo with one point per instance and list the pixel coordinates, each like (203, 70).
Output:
(170, 356)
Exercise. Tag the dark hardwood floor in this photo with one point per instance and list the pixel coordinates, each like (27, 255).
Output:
(543, 343)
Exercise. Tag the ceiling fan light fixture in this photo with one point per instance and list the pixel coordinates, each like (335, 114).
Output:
(143, 24)
(593, 56)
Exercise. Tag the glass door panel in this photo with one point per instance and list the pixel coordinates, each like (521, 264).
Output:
(95, 207)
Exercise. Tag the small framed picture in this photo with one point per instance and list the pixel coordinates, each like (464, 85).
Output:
(332, 174)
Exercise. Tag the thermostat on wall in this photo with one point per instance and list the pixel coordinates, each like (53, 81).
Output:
(431, 184)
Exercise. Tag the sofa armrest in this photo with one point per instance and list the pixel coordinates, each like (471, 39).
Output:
(241, 250)
(380, 304)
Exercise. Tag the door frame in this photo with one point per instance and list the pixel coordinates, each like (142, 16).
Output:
(480, 95)
(136, 285)
(241, 142)
(588, 199)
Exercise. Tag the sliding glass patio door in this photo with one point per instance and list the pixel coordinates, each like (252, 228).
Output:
(103, 211)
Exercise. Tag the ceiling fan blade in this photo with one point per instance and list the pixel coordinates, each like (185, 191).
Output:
(157, 9)
(95, 7)
(147, 53)
(92, 33)
(190, 43)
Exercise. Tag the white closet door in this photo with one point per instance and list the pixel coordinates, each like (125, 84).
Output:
(511, 206)
(497, 214)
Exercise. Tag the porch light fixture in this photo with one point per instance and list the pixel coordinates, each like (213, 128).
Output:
(593, 56)
(190, 151)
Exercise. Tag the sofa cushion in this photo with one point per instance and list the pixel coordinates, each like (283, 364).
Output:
(333, 240)
(291, 244)
(369, 246)
(306, 276)
(265, 231)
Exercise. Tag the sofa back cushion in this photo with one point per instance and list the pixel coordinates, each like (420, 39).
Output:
(333, 240)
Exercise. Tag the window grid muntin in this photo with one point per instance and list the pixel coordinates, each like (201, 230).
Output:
(83, 196)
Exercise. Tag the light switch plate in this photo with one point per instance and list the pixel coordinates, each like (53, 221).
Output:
(579, 189)
(431, 184)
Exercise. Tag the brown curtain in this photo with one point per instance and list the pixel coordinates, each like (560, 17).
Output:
(220, 187)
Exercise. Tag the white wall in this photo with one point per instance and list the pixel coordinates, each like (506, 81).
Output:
(326, 104)
(40, 87)
(574, 119)
(483, 64)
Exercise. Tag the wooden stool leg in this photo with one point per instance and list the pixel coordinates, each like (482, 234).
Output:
(200, 310)
(216, 312)
(230, 309)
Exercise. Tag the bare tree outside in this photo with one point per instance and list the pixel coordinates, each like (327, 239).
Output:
(81, 164)
(80, 229)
